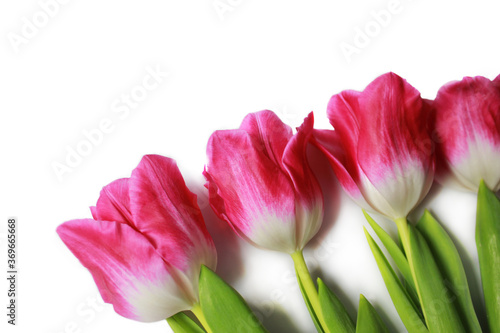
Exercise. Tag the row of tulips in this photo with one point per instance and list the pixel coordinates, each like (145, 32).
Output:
(152, 257)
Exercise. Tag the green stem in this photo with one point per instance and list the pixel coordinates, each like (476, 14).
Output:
(404, 233)
(196, 309)
(309, 287)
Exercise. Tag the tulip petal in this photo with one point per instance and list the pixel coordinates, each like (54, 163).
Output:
(167, 214)
(468, 124)
(258, 196)
(113, 203)
(395, 135)
(216, 201)
(329, 142)
(295, 163)
(269, 134)
(308, 195)
(93, 211)
(481, 161)
(259, 181)
(126, 268)
(342, 111)
(413, 184)
(384, 133)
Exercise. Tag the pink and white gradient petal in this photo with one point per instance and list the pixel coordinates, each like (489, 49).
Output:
(114, 203)
(308, 196)
(167, 214)
(393, 125)
(468, 125)
(126, 268)
(257, 195)
(480, 161)
(344, 165)
(269, 134)
(259, 181)
(380, 149)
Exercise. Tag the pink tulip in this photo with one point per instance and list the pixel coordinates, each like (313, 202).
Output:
(146, 243)
(259, 181)
(468, 127)
(380, 149)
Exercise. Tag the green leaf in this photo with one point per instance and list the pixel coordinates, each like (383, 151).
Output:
(368, 319)
(396, 254)
(334, 313)
(407, 310)
(224, 309)
(450, 265)
(180, 323)
(435, 298)
(488, 249)
(314, 317)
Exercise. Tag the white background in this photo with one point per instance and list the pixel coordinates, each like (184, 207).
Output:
(66, 76)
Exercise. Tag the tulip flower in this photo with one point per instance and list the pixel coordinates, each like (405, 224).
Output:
(259, 181)
(146, 244)
(382, 153)
(380, 148)
(468, 128)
